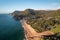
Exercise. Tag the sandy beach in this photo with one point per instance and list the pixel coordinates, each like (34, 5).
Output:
(31, 34)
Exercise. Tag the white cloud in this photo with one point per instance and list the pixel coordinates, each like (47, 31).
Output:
(55, 4)
(58, 7)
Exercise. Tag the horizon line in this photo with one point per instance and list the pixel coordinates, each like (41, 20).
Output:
(32, 9)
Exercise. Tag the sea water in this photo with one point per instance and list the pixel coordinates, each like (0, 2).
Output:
(10, 29)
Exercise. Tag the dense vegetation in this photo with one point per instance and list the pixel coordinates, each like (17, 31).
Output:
(42, 20)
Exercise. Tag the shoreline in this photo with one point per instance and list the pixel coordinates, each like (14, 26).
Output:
(31, 33)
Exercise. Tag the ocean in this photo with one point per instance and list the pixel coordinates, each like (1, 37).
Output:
(10, 29)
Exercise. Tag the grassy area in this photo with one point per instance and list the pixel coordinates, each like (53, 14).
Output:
(56, 29)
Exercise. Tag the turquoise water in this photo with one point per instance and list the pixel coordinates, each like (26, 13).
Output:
(10, 29)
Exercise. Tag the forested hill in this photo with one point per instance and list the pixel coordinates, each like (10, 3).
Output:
(40, 20)
(27, 12)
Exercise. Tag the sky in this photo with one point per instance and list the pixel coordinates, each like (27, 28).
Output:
(8, 6)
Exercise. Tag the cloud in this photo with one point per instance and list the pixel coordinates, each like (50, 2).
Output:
(55, 4)
(58, 7)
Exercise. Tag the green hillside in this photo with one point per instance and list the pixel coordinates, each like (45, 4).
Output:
(41, 20)
(56, 29)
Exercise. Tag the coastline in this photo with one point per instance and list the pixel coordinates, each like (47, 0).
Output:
(31, 33)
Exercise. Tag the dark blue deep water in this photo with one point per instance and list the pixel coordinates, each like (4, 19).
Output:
(10, 29)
